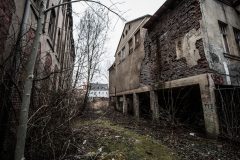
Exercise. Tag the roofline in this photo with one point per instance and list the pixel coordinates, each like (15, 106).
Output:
(142, 17)
(167, 5)
(112, 66)
(162, 9)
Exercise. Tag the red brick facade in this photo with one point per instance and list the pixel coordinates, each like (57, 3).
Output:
(160, 63)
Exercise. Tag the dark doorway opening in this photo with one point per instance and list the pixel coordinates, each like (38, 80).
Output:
(182, 106)
(144, 105)
(119, 104)
(130, 109)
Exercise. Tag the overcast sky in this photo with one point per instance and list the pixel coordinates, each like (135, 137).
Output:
(132, 9)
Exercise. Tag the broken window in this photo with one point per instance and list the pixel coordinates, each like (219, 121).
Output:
(137, 39)
(119, 57)
(237, 38)
(51, 24)
(123, 54)
(123, 35)
(130, 44)
(224, 32)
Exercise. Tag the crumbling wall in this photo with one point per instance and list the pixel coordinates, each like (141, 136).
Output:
(225, 64)
(174, 46)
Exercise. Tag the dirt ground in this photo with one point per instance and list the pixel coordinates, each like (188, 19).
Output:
(109, 135)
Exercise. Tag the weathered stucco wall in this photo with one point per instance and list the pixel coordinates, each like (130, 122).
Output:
(213, 12)
(128, 70)
(174, 47)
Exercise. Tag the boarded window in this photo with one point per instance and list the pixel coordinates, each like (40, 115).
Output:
(237, 38)
(224, 32)
(130, 44)
(119, 57)
(123, 54)
(137, 39)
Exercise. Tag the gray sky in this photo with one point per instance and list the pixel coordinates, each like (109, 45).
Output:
(132, 9)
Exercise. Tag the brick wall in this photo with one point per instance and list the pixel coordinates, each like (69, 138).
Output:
(161, 63)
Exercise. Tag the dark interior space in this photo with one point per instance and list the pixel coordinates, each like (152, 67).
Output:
(120, 102)
(228, 107)
(182, 106)
(144, 105)
(130, 109)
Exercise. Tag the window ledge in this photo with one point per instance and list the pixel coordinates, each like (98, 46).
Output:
(229, 56)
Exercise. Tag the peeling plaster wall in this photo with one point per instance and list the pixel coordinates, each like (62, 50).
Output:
(186, 47)
(174, 46)
(214, 11)
(128, 70)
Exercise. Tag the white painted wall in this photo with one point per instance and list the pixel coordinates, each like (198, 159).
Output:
(98, 94)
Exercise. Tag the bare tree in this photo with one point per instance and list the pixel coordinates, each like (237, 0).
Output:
(90, 45)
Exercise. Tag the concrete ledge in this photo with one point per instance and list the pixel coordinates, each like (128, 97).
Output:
(199, 79)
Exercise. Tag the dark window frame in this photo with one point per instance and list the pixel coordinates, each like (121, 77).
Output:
(137, 36)
(130, 46)
(237, 38)
(224, 32)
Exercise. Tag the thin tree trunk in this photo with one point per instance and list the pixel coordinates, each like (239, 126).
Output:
(22, 128)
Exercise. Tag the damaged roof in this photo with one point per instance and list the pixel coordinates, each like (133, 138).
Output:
(169, 4)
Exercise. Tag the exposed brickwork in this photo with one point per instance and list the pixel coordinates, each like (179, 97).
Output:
(7, 8)
(160, 63)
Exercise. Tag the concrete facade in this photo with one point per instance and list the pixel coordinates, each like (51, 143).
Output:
(189, 42)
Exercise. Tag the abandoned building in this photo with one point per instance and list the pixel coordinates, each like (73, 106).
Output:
(181, 64)
(56, 50)
(55, 59)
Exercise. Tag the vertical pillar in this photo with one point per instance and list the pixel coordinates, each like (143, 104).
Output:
(118, 106)
(154, 105)
(124, 104)
(136, 105)
(209, 107)
(116, 103)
